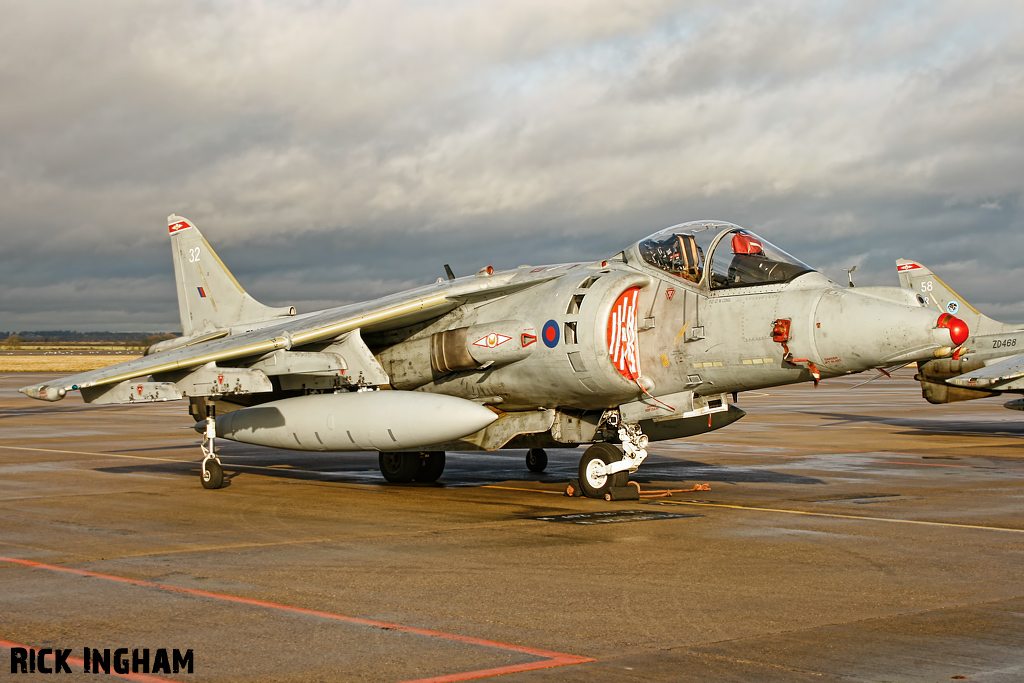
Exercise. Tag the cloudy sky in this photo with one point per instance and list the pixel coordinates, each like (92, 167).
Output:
(337, 151)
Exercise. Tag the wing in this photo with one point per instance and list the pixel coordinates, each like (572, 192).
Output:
(191, 369)
(1006, 375)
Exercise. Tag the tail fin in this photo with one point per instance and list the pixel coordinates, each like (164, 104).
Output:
(942, 298)
(209, 296)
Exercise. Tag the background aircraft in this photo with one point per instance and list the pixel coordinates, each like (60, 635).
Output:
(652, 343)
(990, 362)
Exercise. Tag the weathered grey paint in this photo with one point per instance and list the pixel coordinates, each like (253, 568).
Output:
(535, 344)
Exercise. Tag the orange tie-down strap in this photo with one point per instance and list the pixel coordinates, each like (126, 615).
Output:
(667, 493)
(572, 491)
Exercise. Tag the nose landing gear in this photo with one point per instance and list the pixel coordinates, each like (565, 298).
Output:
(595, 479)
(604, 467)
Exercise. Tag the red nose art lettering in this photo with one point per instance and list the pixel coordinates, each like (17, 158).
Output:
(622, 343)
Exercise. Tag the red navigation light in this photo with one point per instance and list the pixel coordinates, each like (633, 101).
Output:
(958, 330)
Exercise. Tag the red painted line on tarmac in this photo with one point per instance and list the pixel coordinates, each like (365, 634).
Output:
(550, 659)
(80, 664)
(488, 673)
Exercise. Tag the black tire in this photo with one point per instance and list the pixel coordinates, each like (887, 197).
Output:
(398, 468)
(536, 460)
(606, 454)
(212, 475)
(431, 466)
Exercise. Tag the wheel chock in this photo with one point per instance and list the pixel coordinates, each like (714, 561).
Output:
(573, 490)
(623, 493)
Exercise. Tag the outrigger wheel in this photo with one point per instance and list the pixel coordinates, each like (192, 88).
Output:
(594, 482)
(212, 476)
(536, 460)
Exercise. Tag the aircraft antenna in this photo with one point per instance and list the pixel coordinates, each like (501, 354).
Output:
(849, 274)
(448, 270)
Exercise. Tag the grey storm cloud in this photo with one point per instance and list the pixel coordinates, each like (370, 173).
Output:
(334, 151)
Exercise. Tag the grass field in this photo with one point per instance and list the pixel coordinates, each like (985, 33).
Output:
(69, 363)
(75, 347)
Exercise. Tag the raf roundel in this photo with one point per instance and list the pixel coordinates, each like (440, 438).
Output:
(550, 334)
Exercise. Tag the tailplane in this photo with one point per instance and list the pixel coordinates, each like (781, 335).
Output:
(209, 296)
(940, 296)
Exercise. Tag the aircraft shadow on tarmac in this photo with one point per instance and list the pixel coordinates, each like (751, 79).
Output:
(462, 470)
(931, 426)
(49, 410)
(151, 449)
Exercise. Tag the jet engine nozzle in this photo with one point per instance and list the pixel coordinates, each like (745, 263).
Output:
(958, 329)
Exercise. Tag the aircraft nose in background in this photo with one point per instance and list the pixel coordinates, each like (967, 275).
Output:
(861, 331)
(958, 329)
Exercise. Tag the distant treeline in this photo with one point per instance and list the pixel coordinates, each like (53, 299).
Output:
(97, 337)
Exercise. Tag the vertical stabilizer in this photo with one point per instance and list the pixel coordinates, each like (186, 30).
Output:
(942, 298)
(209, 296)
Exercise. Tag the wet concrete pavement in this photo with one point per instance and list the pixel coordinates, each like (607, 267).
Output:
(849, 534)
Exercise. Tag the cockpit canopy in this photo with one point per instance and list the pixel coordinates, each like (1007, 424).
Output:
(738, 257)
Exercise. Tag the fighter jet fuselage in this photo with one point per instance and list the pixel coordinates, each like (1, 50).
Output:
(652, 343)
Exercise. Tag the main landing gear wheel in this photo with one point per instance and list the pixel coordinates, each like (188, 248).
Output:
(213, 474)
(399, 468)
(536, 460)
(593, 481)
(431, 466)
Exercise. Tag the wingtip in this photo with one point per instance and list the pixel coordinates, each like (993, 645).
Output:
(44, 392)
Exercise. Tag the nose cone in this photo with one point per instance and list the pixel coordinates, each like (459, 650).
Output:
(856, 331)
(958, 330)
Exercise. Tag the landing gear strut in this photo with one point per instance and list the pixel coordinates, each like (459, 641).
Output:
(212, 472)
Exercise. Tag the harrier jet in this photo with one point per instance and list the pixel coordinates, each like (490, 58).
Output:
(990, 362)
(652, 343)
